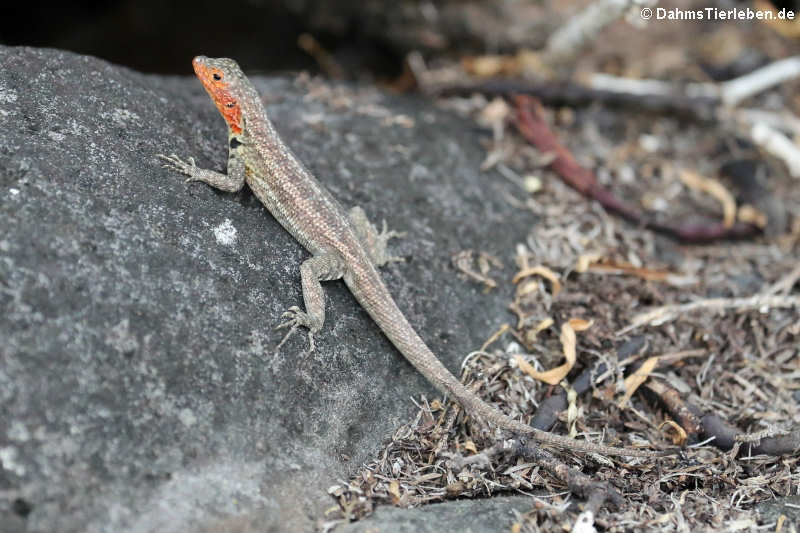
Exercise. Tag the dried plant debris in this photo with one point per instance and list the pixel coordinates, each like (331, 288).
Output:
(722, 381)
(740, 368)
(441, 456)
(463, 262)
(689, 345)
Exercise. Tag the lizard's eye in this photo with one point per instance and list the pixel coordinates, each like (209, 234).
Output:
(230, 104)
(217, 76)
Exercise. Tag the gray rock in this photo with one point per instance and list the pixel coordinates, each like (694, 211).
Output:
(139, 385)
(770, 511)
(465, 516)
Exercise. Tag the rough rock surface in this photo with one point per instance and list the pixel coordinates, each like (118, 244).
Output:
(467, 516)
(139, 385)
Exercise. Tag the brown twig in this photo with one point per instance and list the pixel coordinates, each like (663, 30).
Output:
(595, 492)
(532, 126)
(677, 408)
(565, 93)
(697, 425)
(725, 436)
(694, 101)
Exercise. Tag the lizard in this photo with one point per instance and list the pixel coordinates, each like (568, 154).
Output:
(343, 245)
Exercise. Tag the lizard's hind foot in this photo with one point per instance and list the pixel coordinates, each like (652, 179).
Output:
(297, 318)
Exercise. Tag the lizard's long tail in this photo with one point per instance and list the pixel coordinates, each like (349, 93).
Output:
(380, 305)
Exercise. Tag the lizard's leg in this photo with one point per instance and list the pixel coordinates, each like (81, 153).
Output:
(324, 267)
(230, 182)
(374, 242)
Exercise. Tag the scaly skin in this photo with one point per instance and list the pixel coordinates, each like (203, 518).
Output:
(343, 245)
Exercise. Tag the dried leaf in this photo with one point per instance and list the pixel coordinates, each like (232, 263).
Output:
(572, 409)
(485, 66)
(599, 265)
(527, 288)
(540, 327)
(463, 263)
(612, 267)
(695, 181)
(539, 270)
(524, 365)
(679, 435)
(531, 335)
(584, 261)
(555, 375)
(751, 215)
(496, 335)
(490, 65)
(633, 381)
(779, 525)
(580, 324)
(394, 491)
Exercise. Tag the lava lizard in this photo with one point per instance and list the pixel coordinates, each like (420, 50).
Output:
(344, 245)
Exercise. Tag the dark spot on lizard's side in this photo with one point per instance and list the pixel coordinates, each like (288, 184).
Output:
(235, 142)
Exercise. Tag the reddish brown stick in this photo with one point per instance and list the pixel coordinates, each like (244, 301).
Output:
(532, 126)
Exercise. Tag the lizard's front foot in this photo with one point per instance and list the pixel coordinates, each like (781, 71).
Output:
(297, 318)
(173, 162)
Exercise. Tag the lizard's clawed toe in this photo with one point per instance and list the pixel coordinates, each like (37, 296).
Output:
(173, 162)
(310, 341)
(297, 318)
(387, 234)
(291, 313)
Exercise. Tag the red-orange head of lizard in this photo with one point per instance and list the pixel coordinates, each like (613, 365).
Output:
(219, 80)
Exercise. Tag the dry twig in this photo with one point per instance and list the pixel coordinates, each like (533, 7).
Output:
(667, 313)
(532, 126)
